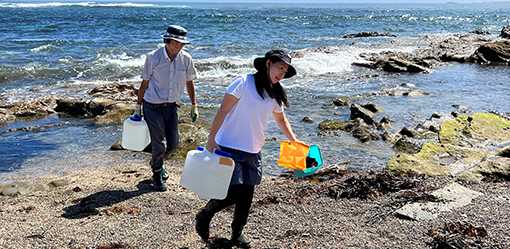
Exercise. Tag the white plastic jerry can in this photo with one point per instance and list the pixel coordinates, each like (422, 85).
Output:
(135, 133)
(207, 174)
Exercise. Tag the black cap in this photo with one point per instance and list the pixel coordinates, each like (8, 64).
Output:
(260, 62)
(176, 32)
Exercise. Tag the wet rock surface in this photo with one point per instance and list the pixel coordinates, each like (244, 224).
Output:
(361, 123)
(369, 34)
(27, 109)
(342, 101)
(497, 52)
(505, 32)
(457, 48)
(357, 111)
(104, 104)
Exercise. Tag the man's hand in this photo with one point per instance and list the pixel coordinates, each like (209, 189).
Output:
(138, 110)
(194, 113)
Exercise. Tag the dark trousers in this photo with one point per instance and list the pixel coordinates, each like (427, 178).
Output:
(240, 195)
(162, 122)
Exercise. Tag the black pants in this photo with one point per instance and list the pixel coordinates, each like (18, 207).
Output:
(162, 122)
(239, 195)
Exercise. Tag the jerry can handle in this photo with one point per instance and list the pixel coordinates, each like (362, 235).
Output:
(223, 153)
(217, 152)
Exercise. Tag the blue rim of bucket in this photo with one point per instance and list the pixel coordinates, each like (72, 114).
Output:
(310, 171)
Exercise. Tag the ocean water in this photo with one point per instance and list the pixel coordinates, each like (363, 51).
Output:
(67, 48)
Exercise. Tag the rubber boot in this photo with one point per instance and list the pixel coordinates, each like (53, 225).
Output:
(202, 222)
(238, 238)
(164, 174)
(205, 215)
(158, 183)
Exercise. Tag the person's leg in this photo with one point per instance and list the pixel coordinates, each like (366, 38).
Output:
(171, 133)
(205, 215)
(243, 201)
(155, 122)
(171, 128)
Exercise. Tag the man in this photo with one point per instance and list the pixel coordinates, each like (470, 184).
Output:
(166, 71)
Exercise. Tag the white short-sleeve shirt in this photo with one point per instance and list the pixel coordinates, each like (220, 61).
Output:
(244, 126)
(167, 78)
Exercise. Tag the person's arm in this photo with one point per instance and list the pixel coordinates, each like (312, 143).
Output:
(229, 101)
(284, 125)
(141, 91)
(190, 87)
(146, 75)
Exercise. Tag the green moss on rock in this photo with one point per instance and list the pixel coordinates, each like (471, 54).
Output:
(459, 139)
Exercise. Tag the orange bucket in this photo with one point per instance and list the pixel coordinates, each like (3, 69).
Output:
(293, 155)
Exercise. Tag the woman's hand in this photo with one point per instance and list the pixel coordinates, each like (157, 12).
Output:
(211, 144)
(299, 141)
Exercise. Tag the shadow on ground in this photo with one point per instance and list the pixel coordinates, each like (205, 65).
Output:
(89, 205)
(220, 243)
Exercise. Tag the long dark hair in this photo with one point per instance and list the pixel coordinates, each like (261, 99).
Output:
(265, 86)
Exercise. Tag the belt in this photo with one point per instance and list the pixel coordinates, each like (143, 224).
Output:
(161, 104)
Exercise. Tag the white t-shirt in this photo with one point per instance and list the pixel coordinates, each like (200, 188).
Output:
(244, 126)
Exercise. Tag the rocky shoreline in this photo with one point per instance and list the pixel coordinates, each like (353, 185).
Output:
(448, 191)
(115, 208)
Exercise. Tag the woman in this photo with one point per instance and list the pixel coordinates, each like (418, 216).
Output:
(238, 128)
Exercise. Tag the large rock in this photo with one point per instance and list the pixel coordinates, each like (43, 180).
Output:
(478, 127)
(480, 32)
(6, 116)
(505, 32)
(505, 152)
(30, 109)
(116, 91)
(102, 110)
(438, 49)
(358, 127)
(342, 101)
(494, 168)
(333, 125)
(397, 65)
(82, 108)
(492, 53)
(364, 132)
(369, 34)
(408, 145)
(191, 135)
(358, 111)
(116, 113)
(464, 142)
(401, 91)
(449, 198)
(372, 107)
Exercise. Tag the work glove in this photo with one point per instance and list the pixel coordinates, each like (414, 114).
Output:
(194, 113)
(138, 110)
